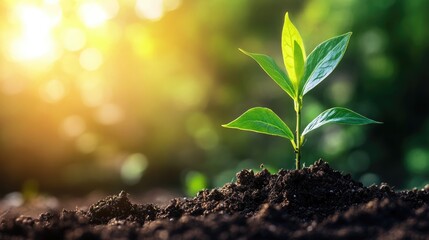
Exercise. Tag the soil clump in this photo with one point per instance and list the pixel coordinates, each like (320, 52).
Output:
(316, 202)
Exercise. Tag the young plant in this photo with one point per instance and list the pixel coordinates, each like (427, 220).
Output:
(303, 74)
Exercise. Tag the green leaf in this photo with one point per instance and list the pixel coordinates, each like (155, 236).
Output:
(299, 61)
(337, 115)
(270, 67)
(290, 35)
(323, 60)
(261, 120)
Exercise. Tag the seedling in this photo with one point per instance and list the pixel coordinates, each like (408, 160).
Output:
(303, 74)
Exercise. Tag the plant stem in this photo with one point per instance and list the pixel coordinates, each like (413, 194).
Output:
(298, 106)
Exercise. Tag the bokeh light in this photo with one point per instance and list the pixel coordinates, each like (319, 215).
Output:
(131, 94)
(91, 59)
(195, 182)
(109, 114)
(33, 39)
(73, 126)
(417, 160)
(95, 13)
(52, 91)
(74, 39)
(149, 9)
(87, 143)
(155, 9)
(133, 168)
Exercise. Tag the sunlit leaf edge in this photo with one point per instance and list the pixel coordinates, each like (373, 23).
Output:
(270, 67)
(328, 116)
(290, 35)
(307, 82)
(271, 120)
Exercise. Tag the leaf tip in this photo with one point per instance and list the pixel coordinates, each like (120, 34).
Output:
(287, 19)
(348, 34)
(245, 52)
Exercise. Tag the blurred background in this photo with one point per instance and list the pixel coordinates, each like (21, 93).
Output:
(130, 94)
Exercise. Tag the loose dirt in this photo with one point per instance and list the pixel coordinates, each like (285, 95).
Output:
(316, 202)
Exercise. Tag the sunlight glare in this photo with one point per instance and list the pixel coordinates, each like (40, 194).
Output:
(35, 40)
(51, 1)
(171, 5)
(150, 9)
(96, 13)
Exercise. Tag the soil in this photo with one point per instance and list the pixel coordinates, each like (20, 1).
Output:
(316, 202)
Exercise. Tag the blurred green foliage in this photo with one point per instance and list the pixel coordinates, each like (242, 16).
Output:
(168, 94)
(195, 182)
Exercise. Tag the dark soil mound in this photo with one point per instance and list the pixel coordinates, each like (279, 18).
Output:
(313, 203)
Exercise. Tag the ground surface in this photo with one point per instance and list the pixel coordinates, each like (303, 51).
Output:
(313, 203)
